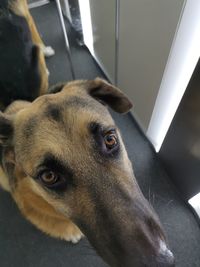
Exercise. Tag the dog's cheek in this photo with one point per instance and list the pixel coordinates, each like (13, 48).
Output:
(59, 203)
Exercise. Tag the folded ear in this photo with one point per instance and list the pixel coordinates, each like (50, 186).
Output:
(6, 129)
(102, 91)
(109, 94)
(56, 88)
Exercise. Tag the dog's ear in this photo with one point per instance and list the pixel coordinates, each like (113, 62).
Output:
(102, 91)
(56, 88)
(6, 129)
(109, 95)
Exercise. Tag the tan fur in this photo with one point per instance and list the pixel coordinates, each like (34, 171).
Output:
(43, 215)
(20, 8)
(17, 106)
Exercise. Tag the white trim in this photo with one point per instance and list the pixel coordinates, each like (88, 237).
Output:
(183, 58)
(195, 203)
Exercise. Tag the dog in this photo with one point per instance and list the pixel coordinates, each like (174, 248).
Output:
(64, 163)
(23, 71)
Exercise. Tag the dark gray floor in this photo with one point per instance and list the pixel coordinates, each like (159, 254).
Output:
(49, 26)
(21, 244)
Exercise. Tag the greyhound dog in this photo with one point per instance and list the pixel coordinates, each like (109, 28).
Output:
(23, 71)
(64, 163)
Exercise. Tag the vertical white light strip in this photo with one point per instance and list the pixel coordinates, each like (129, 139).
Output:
(183, 58)
(86, 21)
(195, 203)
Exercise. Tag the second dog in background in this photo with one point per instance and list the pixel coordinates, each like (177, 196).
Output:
(23, 71)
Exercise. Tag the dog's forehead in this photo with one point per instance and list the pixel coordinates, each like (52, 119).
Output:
(54, 122)
(62, 108)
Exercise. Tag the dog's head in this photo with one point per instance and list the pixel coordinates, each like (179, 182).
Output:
(66, 147)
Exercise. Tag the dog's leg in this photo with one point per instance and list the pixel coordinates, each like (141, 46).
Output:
(20, 7)
(4, 181)
(56, 227)
(47, 50)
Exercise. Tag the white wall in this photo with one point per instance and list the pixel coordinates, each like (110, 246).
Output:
(183, 58)
(103, 27)
(146, 32)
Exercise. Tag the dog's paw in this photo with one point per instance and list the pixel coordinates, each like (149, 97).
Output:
(74, 238)
(47, 71)
(48, 51)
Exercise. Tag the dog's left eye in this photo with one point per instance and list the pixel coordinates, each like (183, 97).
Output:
(110, 139)
(49, 177)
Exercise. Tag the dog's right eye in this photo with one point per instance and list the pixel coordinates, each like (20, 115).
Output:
(53, 174)
(53, 180)
(49, 177)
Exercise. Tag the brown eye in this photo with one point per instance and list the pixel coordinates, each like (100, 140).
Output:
(49, 177)
(110, 140)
